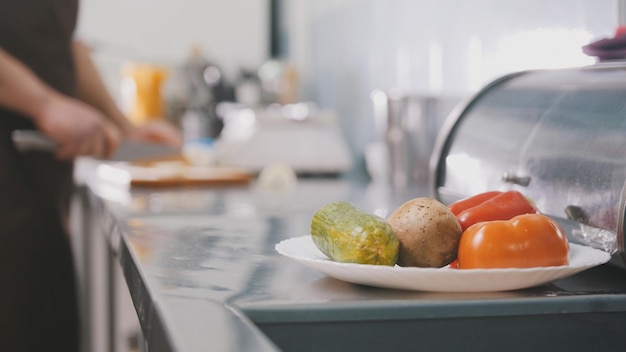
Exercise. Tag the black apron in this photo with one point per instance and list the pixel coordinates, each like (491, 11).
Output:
(38, 303)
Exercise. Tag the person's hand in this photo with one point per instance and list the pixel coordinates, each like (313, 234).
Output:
(157, 132)
(78, 128)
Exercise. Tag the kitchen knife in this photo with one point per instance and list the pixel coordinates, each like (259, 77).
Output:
(128, 150)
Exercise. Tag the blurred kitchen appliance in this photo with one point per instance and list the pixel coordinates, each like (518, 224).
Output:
(300, 135)
(206, 87)
(559, 136)
(406, 127)
(279, 82)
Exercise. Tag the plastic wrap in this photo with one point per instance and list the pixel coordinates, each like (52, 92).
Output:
(592, 236)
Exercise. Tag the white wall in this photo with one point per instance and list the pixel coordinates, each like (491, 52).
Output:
(444, 48)
(232, 33)
(344, 49)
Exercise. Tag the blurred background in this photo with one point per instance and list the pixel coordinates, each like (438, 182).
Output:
(325, 86)
(342, 50)
(333, 54)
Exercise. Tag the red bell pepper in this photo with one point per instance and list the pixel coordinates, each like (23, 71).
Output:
(503, 206)
(457, 207)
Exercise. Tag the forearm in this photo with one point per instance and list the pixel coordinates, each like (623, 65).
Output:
(91, 88)
(20, 89)
(75, 126)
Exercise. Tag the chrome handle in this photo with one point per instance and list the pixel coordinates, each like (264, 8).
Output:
(575, 213)
(518, 180)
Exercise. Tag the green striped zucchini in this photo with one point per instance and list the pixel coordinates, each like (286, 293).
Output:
(345, 233)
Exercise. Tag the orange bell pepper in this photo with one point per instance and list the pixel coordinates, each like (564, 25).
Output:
(525, 241)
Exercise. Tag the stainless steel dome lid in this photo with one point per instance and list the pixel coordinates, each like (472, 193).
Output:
(558, 136)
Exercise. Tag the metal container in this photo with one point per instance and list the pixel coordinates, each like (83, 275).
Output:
(558, 136)
(406, 126)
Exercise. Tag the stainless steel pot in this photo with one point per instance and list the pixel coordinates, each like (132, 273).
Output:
(406, 125)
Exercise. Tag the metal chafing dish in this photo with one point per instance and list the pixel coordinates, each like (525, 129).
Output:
(558, 136)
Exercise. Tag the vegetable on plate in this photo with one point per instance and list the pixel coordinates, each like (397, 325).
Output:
(502, 206)
(428, 231)
(525, 241)
(347, 234)
(459, 206)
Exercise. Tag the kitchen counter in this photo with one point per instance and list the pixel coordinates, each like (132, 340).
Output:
(203, 275)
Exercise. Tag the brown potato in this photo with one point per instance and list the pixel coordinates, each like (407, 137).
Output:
(428, 232)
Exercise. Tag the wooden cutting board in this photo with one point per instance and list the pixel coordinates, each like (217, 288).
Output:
(176, 172)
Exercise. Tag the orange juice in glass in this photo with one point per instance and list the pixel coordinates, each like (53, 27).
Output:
(142, 91)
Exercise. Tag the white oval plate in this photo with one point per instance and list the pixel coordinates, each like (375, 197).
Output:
(304, 250)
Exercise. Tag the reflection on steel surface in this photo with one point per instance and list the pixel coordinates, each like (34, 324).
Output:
(556, 135)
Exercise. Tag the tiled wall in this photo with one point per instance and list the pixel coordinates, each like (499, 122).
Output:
(442, 48)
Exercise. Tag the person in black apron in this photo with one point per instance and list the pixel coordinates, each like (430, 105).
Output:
(47, 82)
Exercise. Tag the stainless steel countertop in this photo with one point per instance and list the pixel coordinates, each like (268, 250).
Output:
(204, 275)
